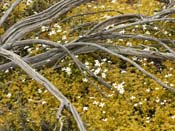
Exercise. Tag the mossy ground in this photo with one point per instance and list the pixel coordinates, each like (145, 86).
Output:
(26, 105)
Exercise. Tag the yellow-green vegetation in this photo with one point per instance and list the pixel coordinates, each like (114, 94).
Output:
(142, 105)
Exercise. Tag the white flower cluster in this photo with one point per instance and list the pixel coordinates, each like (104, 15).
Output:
(119, 87)
(98, 70)
(168, 75)
(85, 108)
(100, 104)
(28, 2)
(44, 28)
(67, 70)
(56, 29)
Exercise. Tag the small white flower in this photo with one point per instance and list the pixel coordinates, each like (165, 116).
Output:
(168, 75)
(39, 91)
(86, 63)
(89, 5)
(64, 37)
(44, 102)
(110, 95)
(144, 27)
(44, 28)
(95, 102)
(85, 80)
(165, 32)
(109, 41)
(104, 60)
(147, 32)
(23, 80)
(152, 62)
(148, 90)
(67, 70)
(7, 71)
(132, 97)
(134, 58)
(121, 91)
(105, 70)
(147, 119)
(129, 43)
(29, 50)
(113, 1)
(58, 41)
(162, 103)
(85, 108)
(52, 33)
(91, 97)
(140, 103)
(123, 71)
(109, 61)
(103, 75)
(136, 104)
(155, 28)
(56, 25)
(146, 49)
(157, 100)
(44, 46)
(37, 48)
(171, 84)
(173, 117)
(29, 2)
(103, 112)
(9, 95)
(105, 119)
(26, 47)
(97, 71)
(122, 31)
(101, 104)
(97, 63)
(156, 88)
(119, 87)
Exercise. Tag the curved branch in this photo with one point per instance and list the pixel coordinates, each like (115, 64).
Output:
(31, 23)
(78, 63)
(56, 54)
(114, 20)
(45, 82)
(7, 13)
(131, 62)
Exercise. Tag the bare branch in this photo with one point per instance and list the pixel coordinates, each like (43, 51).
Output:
(114, 20)
(46, 83)
(7, 13)
(18, 30)
(131, 62)
(53, 55)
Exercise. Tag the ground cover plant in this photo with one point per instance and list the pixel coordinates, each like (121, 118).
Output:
(87, 65)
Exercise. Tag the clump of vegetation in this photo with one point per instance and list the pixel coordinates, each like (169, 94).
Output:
(135, 101)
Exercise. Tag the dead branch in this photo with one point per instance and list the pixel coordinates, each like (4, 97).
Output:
(46, 83)
(7, 13)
